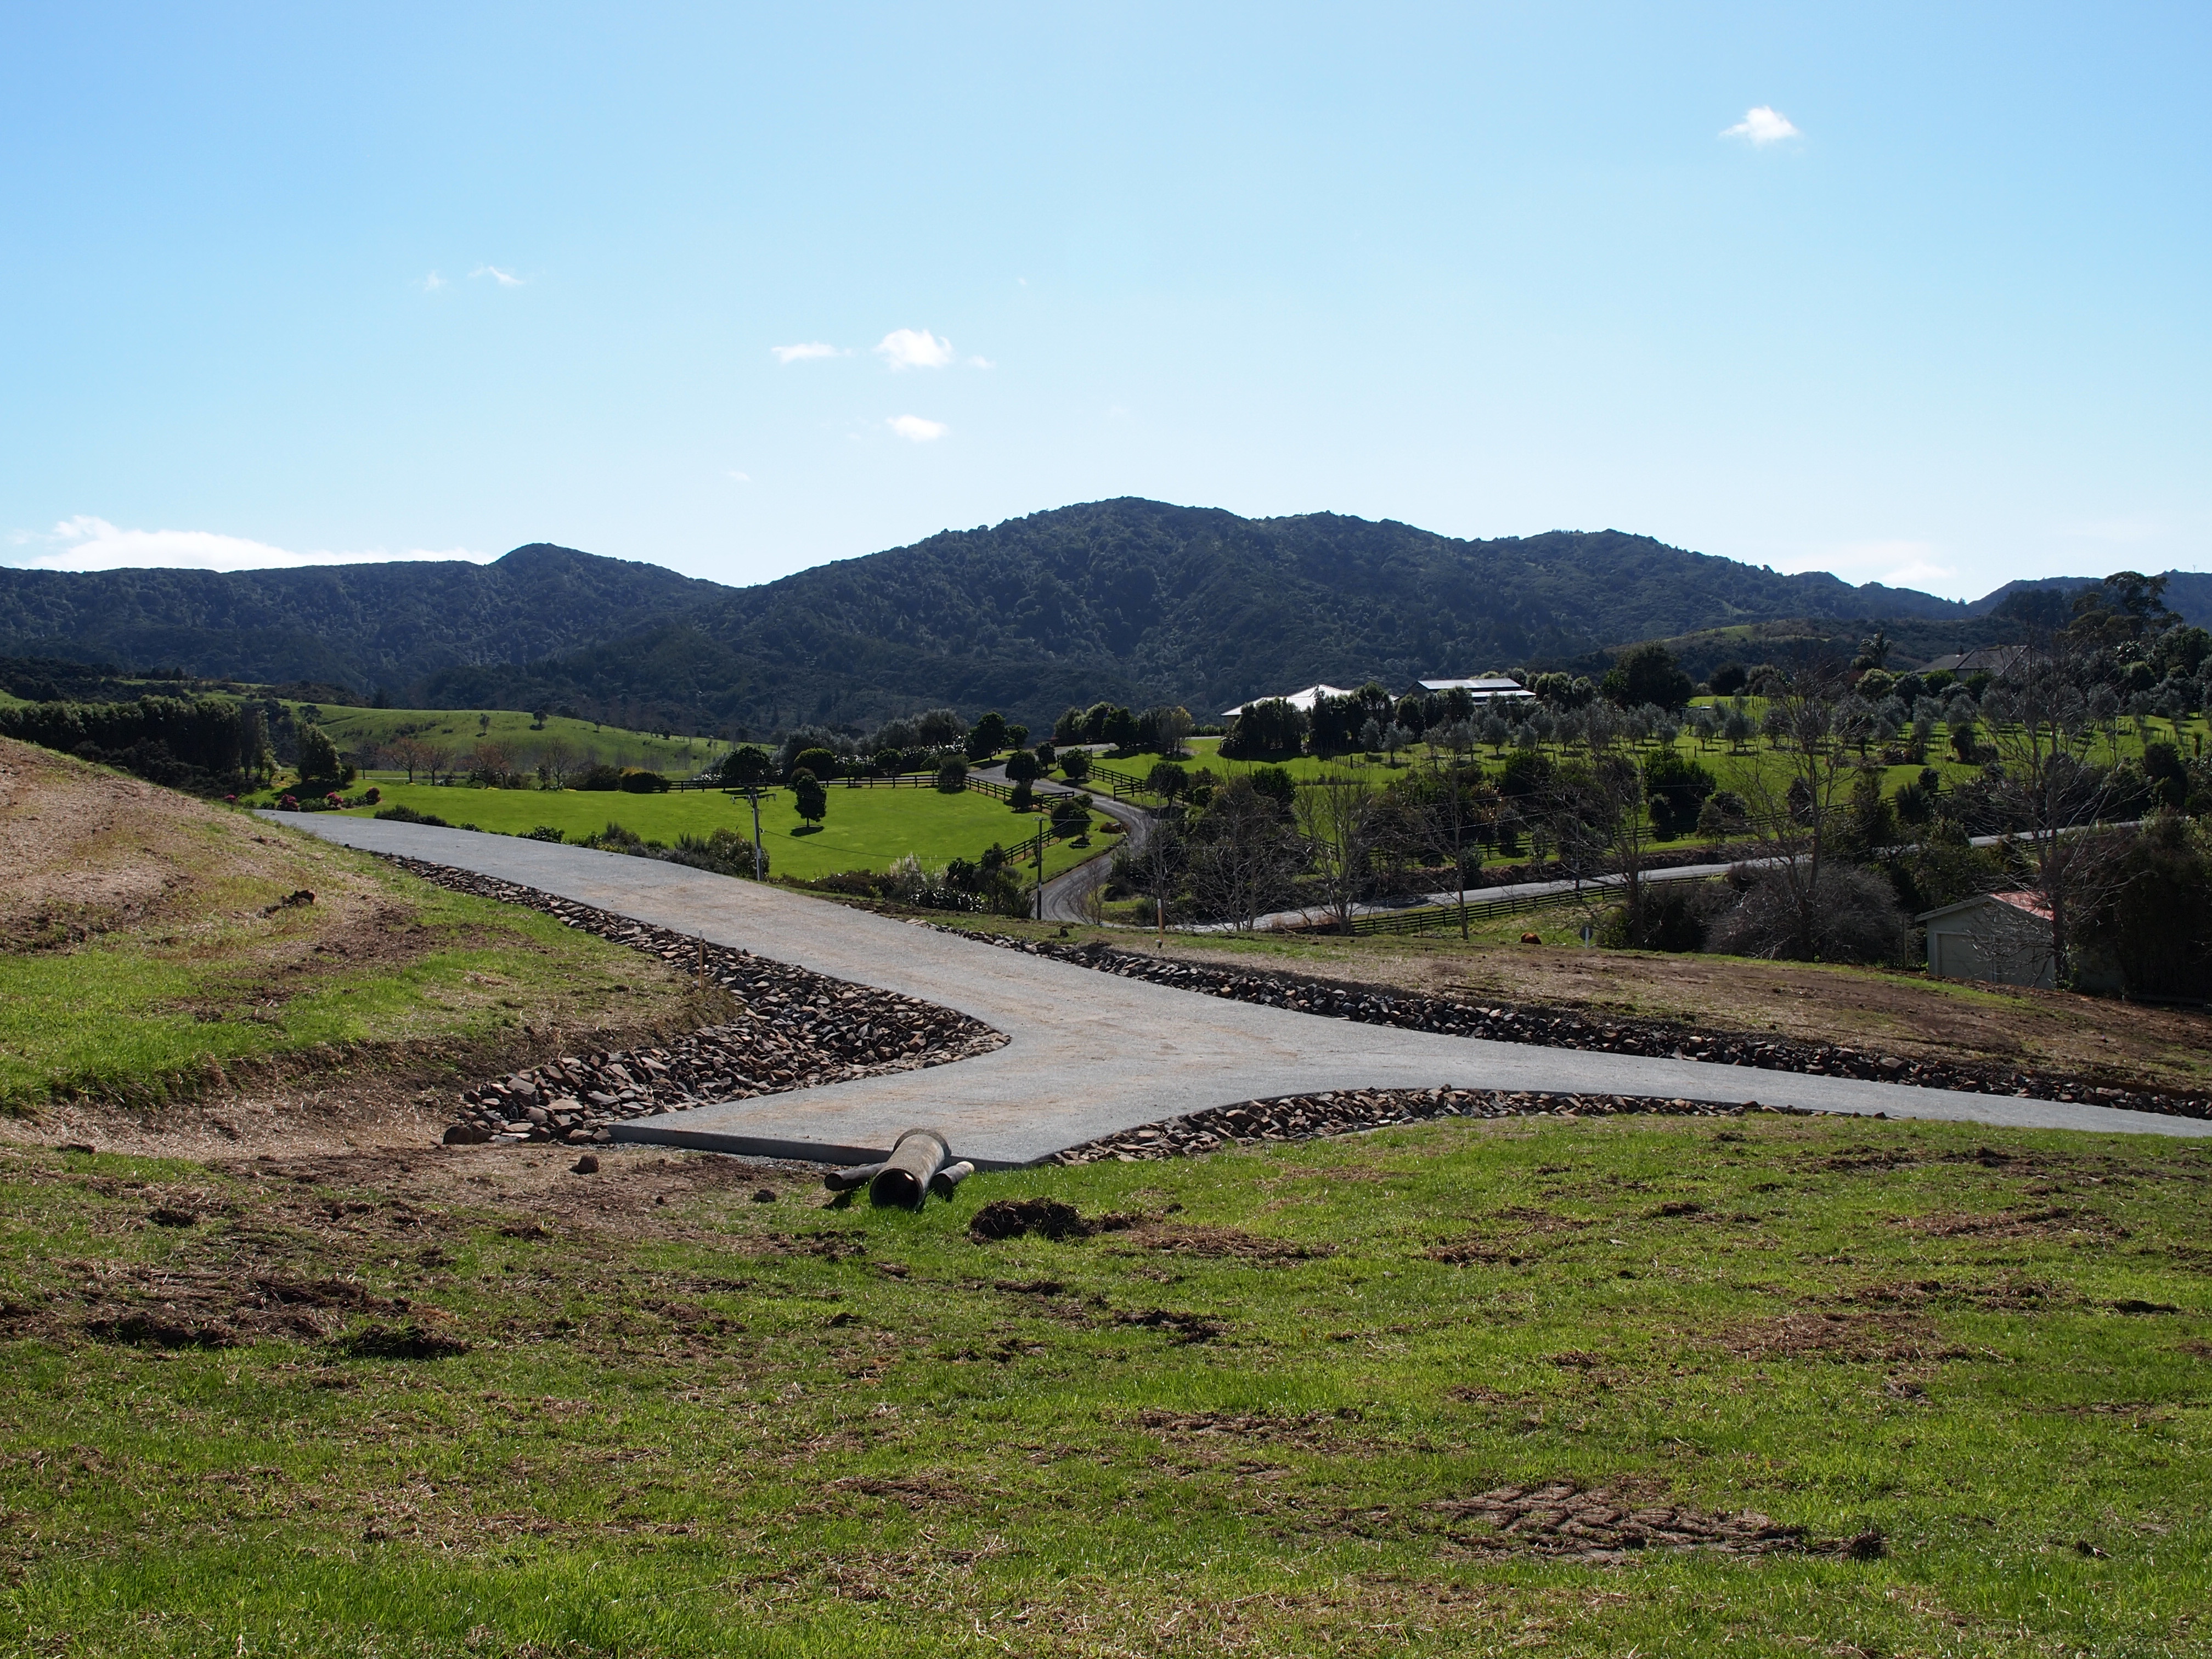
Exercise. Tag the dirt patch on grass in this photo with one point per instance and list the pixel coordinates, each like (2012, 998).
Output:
(1214, 1431)
(1224, 1243)
(1604, 1524)
(1865, 1339)
(1516, 1236)
(2056, 1222)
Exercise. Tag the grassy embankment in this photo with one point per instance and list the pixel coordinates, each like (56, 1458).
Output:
(1886, 1010)
(458, 731)
(865, 829)
(713, 1425)
(145, 946)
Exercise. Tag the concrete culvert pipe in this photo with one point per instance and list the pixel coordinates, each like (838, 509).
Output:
(916, 1158)
(852, 1175)
(950, 1176)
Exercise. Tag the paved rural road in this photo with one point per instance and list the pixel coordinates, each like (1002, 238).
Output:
(1065, 893)
(1596, 886)
(1092, 1053)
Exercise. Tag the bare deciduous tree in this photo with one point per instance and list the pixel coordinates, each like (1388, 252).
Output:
(2043, 722)
(1339, 818)
(1248, 856)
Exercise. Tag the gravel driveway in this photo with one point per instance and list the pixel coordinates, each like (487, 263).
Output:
(1090, 1054)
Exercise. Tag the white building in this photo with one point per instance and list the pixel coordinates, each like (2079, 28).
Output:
(1302, 700)
(2004, 938)
(1491, 688)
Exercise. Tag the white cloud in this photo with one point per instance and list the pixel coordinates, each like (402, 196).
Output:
(85, 542)
(907, 347)
(799, 354)
(915, 429)
(433, 283)
(981, 363)
(1762, 126)
(736, 476)
(504, 278)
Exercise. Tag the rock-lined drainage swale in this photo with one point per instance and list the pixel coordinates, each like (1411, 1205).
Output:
(1560, 1028)
(800, 1029)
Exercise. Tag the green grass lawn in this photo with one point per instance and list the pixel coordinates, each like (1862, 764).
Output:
(863, 828)
(708, 1425)
(459, 730)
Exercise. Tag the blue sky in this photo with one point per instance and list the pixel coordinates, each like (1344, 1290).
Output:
(289, 282)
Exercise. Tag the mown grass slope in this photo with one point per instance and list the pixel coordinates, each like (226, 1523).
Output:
(148, 941)
(464, 1402)
(863, 828)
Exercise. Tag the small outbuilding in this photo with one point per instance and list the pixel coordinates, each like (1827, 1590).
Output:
(2004, 938)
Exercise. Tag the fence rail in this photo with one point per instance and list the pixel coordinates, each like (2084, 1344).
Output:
(1439, 918)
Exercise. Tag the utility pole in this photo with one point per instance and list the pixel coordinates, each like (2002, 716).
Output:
(752, 792)
(1040, 869)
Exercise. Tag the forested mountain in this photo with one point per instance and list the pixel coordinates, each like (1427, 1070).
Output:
(1139, 602)
(1131, 600)
(363, 625)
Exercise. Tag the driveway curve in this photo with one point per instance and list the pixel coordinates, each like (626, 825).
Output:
(1091, 1054)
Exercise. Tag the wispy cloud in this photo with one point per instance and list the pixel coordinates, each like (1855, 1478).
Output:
(981, 363)
(916, 430)
(736, 476)
(433, 283)
(85, 542)
(799, 354)
(1762, 126)
(504, 278)
(907, 347)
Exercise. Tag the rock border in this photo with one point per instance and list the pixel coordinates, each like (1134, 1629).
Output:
(1352, 1111)
(800, 1030)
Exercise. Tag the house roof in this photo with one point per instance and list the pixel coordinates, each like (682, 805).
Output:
(1486, 689)
(1994, 658)
(1302, 700)
(2013, 899)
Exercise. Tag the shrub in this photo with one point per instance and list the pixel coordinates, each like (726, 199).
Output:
(1855, 918)
(638, 780)
(543, 832)
(598, 777)
(1021, 767)
(1075, 765)
(399, 815)
(952, 776)
(725, 852)
(1677, 788)
(1724, 813)
(1023, 796)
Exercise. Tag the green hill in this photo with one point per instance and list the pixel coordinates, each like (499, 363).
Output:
(1133, 600)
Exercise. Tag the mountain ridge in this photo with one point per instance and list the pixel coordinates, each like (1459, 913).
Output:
(1129, 600)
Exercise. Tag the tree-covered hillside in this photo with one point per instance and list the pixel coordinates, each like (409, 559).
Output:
(361, 626)
(1132, 601)
(1139, 602)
